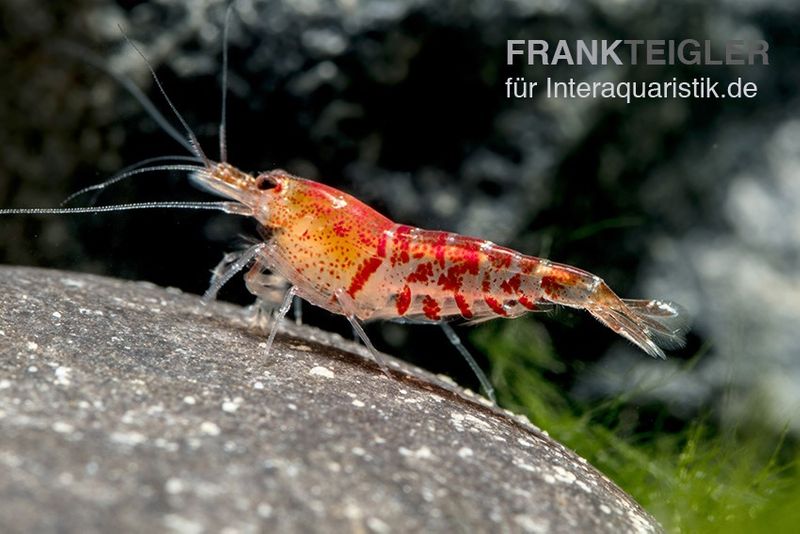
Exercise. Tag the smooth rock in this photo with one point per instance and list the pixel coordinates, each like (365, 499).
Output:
(128, 407)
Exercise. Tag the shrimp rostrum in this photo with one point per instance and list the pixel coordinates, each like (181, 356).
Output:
(341, 255)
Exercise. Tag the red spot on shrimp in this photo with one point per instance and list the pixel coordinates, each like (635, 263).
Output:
(486, 284)
(472, 260)
(421, 274)
(363, 274)
(401, 244)
(431, 308)
(512, 284)
(452, 280)
(439, 248)
(495, 305)
(401, 240)
(403, 300)
(528, 264)
(551, 286)
(500, 258)
(340, 228)
(382, 245)
(463, 306)
(525, 301)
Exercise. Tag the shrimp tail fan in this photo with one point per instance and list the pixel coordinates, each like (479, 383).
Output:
(653, 325)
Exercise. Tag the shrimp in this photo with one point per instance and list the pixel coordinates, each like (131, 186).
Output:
(337, 253)
(341, 255)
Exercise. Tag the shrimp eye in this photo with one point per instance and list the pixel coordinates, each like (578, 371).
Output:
(265, 182)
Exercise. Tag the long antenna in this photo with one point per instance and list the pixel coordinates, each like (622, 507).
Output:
(132, 171)
(94, 60)
(227, 207)
(223, 142)
(197, 149)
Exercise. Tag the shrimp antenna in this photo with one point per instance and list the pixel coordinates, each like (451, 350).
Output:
(131, 170)
(227, 207)
(223, 142)
(134, 169)
(197, 149)
(94, 60)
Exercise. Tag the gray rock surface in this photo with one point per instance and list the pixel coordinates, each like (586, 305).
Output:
(127, 407)
(402, 104)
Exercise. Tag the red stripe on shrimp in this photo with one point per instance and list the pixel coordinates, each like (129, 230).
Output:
(382, 245)
(495, 305)
(439, 247)
(403, 300)
(528, 303)
(472, 260)
(401, 245)
(363, 274)
(463, 306)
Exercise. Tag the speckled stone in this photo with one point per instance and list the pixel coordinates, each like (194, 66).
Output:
(128, 407)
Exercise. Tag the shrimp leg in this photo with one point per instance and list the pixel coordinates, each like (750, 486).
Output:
(287, 303)
(349, 309)
(231, 263)
(456, 342)
(297, 310)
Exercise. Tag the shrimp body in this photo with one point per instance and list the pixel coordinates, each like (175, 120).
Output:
(342, 255)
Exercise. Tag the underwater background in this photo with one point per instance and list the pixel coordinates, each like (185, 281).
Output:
(403, 104)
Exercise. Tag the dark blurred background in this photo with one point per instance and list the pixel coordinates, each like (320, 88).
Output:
(403, 104)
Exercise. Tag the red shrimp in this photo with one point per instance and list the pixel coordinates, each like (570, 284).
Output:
(341, 255)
